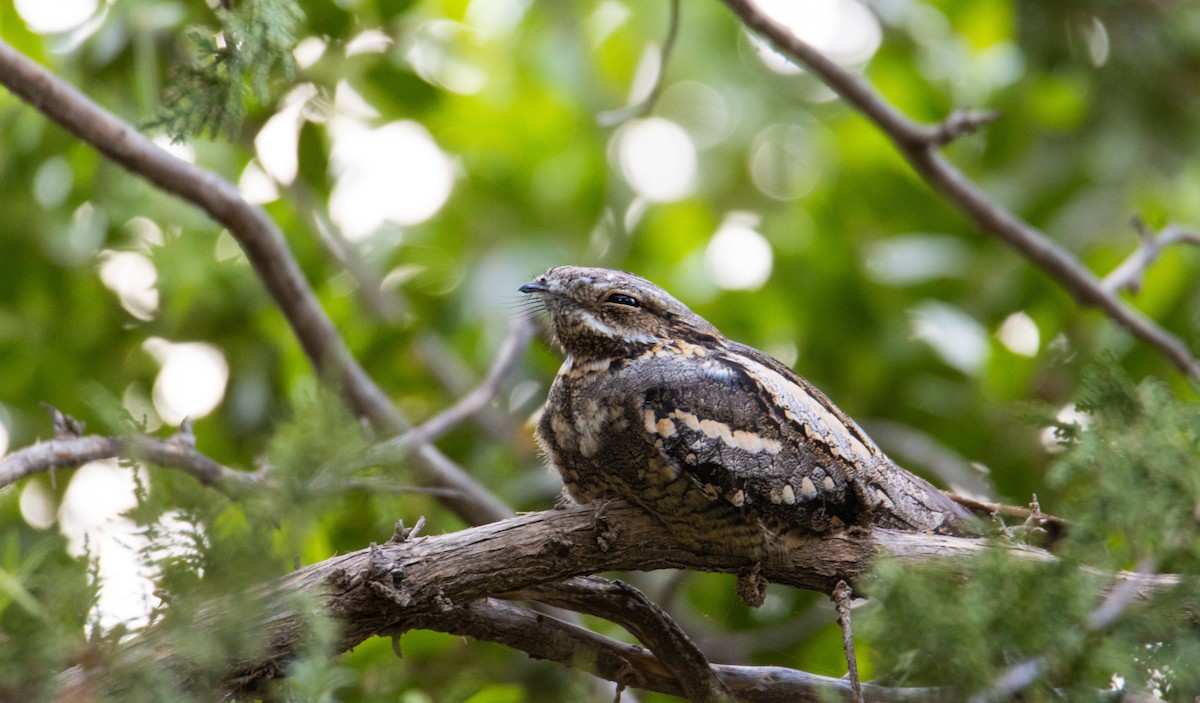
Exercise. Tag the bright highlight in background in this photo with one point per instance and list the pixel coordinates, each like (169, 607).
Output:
(132, 277)
(90, 518)
(738, 257)
(394, 174)
(51, 16)
(843, 30)
(658, 159)
(1019, 334)
(956, 336)
(191, 382)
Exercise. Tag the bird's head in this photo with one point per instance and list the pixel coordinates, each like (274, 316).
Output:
(596, 313)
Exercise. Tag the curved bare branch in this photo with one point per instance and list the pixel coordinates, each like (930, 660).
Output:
(920, 144)
(266, 250)
(69, 452)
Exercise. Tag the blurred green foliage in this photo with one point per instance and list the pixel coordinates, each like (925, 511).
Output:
(1130, 486)
(1099, 121)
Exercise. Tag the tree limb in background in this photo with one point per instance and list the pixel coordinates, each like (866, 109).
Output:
(613, 118)
(1132, 271)
(921, 144)
(470, 403)
(264, 246)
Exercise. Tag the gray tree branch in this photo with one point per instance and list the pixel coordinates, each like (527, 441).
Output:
(1130, 274)
(921, 146)
(632, 665)
(69, 452)
(418, 582)
(267, 251)
(628, 607)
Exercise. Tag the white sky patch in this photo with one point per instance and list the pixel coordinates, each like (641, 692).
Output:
(916, 258)
(53, 16)
(256, 186)
(844, 30)
(785, 161)
(182, 151)
(37, 506)
(3, 439)
(347, 101)
(53, 182)
(606, 19)
(145, 230)
(309, 51)
(228, 249)
(132, 277)
(698, 108)
(277, 142)
(957, 337)
(139, 405)
(438, 55)
(493, 18)
(658, 159)
(371, 41)
(1066, 414)
(393, 174)
(90, 515)
(1019, 334)
(191, 382)
(737, 256)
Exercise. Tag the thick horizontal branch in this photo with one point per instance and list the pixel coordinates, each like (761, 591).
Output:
(398, 585)
(920, 144)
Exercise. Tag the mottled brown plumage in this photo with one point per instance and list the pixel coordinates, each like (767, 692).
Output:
(727, 446)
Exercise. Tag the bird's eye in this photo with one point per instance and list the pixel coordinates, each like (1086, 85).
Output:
(622, 299)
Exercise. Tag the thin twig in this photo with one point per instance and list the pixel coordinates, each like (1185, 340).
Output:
(920, 144)
(612, 118)
(69, 452)
(842, 594)
(265, 248)
(385, 306)
(1130, 274)
(394, 450)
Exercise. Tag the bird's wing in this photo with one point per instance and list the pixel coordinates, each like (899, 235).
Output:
(750, 431)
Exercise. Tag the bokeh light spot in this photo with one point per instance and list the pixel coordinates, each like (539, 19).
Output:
(53, 181)
(90, 518)
(191, 382)
(784, 162)
(844, 30)
(1019, 334)
(658, 159)
(955, 336)
(132, 277)
(53, 16)
(37, 506)
(738, 257)
(395, 173)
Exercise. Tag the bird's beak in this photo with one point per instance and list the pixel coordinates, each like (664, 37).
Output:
(534, 287)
